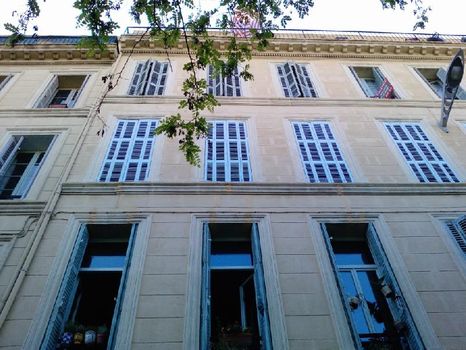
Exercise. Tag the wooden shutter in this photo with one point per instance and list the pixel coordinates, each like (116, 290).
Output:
(261, 295)
(121, 289)
(205, 290)
(139, 78)
(64, 301)
(305, 81)
(397, 305)
(157, 79)
(75, 98)
(288, 80)
(9, 151)
(457, 230)
(48, 94)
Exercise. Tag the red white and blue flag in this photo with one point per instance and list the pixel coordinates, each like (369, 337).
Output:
(242, 23)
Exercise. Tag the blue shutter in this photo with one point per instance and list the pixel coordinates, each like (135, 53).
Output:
(121, 289)
(457, 230)
(261, 295)
(397, 305)
(64, 301)
(205, 290)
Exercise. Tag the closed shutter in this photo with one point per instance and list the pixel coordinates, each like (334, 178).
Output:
(261, 295)
(457, 230)
(9, 152)
(121, 290)
(305, 81)
(397, 304)
(322, 159)
(78, 94)
(64, 301)
(232, 84)
(139, 78)
(48, 94)
(215, 82)
(129, 155)
(205, 290)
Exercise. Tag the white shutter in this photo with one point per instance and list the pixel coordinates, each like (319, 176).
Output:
(288, 80)
(9, 151)
(157, 79)
(76, 96)
(205, 290)
(397, 305)
(64, 301)
(48, 94)
(5, 80)
(28, 175)
(139, 78)
(305, 81)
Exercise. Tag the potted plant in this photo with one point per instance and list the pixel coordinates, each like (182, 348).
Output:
(78, 338)
(66, 339)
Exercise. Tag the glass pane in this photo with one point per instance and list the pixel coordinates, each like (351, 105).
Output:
(351, 253)
(243, 260)
(354, 302)
(368, 281)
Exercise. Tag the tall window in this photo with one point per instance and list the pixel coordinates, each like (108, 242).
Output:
(149, 78)
(227, 155)
(219, 85)
(234, 312)
(321, 157)
(4, 79)
(129, 154)
(457, 229)
(422, 156)
(375, 307)
(20, 161)
(63, 91)
(373, 83)
(295, 80)
(435, 77)
(93, 286)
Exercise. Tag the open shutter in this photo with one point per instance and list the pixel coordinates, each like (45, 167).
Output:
(9, 151)
(261, 297)
(78, 94)
(457, 229)
(29, 175)
(139, 78)
(205, 290)
(65, 296)
(48, 94)
(305, 81)
(121, 289)
(442, 74)
(5, 81)
(397, 304)
(288, 80)
(362, 83)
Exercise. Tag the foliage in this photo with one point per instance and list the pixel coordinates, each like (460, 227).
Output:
(170, 25)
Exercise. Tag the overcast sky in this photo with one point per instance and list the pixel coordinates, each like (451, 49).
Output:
(447, 16)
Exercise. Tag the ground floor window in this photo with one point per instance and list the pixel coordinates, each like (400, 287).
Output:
(234, 304)
(87, 308)
(376, 310)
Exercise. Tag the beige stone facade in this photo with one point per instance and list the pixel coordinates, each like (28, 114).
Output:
(161, 304)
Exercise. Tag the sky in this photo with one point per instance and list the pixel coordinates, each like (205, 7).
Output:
(447, 16)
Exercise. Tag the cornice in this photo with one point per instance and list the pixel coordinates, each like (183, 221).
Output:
(294, 45)
(294, 189)
(21, 207)
(45, 113)
(287, 102)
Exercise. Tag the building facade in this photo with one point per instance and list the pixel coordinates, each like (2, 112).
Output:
(327, 213)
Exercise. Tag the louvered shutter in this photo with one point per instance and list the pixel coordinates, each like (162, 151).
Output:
(64, 301)
(205, 290)
(48, 94)
(261, 295)
(122, 288)
(139, 78)
(457, 230)
(397, 305)
(341, 290)
(9, 152)
(5, 80)
(157, 79)
(305, 81)
(288, 80)
(28, 175)
(78, 94)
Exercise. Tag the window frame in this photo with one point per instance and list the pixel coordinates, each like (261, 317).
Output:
(376, 70)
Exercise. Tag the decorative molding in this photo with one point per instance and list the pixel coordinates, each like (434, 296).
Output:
(21, 207)
(282, 101)
(45, 113)
(321, 189)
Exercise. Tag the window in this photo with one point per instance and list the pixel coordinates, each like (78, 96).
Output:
(149, 78)
(373, 83)
(4, 79)
(219, 85)
(63, 91)
(321, 157)
(377, 312)
(295, 80)
(422, 157)
(91, 293)
(130, 151)
(457, 229)
(435, 78)
(20, 161)
(234, 312)
(227, 155)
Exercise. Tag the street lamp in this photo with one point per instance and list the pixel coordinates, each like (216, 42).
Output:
(450, 86)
